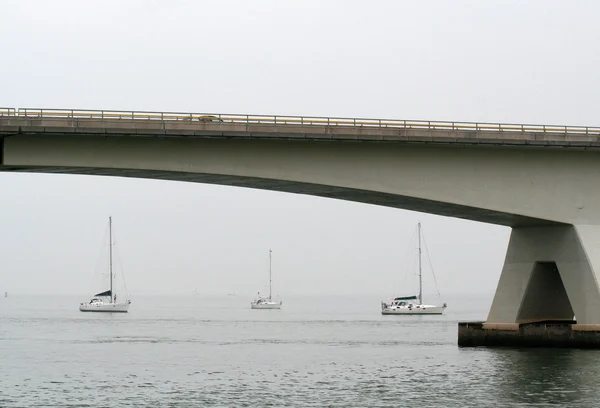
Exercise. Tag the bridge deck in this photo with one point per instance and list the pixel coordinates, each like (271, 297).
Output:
(168, 124)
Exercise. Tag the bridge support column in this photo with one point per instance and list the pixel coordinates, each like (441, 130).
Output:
(548, 293)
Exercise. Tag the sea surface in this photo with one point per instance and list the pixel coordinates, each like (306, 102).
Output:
(318, 351)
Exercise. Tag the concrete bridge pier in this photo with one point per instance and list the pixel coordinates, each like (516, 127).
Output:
(548, 293)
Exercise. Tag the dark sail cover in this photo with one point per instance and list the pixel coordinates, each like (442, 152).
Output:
(107, 293)
(398, 298)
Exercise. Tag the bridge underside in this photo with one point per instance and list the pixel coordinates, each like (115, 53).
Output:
(340, 193)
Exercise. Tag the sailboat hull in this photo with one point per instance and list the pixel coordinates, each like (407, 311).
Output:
(104, 307)
(270, 305)
(421, 310)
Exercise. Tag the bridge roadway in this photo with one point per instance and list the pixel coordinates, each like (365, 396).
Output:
(27, 121)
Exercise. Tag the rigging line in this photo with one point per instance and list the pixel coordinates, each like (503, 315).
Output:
(122, 273)
(120, 266)
(98, 268)
(431, 265)
(409, 259)
(412, 266)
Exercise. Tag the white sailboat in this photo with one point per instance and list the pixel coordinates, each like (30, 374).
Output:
(106, 301)
(266, 302)
(412, 305)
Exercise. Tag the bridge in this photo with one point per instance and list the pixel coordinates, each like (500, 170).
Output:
(543, 181)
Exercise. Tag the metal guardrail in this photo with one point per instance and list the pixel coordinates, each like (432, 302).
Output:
(7, 111)
(297, 120)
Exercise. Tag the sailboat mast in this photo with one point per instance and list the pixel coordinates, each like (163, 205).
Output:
(420, 271)
(270, 274)
(110, 257)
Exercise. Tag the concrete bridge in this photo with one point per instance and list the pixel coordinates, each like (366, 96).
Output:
(543, 181)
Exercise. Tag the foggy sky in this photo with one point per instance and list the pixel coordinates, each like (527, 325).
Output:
(495, 61)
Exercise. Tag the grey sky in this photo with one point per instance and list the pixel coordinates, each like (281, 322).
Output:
(497, 61)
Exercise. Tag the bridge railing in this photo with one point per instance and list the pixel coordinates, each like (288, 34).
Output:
(7, 111)
(298, 120)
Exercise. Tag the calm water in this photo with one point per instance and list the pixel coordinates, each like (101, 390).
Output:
(196, 351)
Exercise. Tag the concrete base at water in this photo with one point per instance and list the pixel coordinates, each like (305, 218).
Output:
(563, 334)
